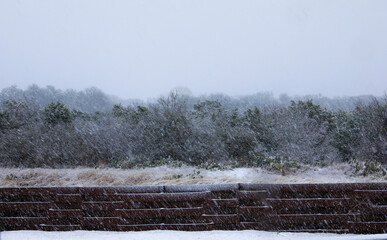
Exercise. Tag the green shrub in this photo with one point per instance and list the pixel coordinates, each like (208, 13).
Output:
(277, 164)
(55, 113)
(368, 167)
(5, 121)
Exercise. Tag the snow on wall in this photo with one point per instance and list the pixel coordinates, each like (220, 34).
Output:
(12, 177)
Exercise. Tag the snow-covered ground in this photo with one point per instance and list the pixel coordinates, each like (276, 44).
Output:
(12, 177)
(178, 235)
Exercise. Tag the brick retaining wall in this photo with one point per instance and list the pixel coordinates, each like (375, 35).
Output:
(341, 208)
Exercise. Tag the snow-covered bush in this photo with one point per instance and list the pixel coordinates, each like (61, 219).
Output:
(372, 120)
(301, 132)
(55, 113)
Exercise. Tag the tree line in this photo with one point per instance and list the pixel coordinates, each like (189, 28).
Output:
(191, 131)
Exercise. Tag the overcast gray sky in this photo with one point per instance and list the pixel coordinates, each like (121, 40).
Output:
(144, 48)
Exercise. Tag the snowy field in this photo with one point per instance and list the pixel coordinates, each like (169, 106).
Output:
(13, 177)
(178, 235)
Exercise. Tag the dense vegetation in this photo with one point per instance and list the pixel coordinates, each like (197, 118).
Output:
(38, 131)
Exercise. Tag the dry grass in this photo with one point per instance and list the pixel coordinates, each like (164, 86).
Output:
(14, 177)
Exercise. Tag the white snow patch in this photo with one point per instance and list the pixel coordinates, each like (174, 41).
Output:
(15, 177)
